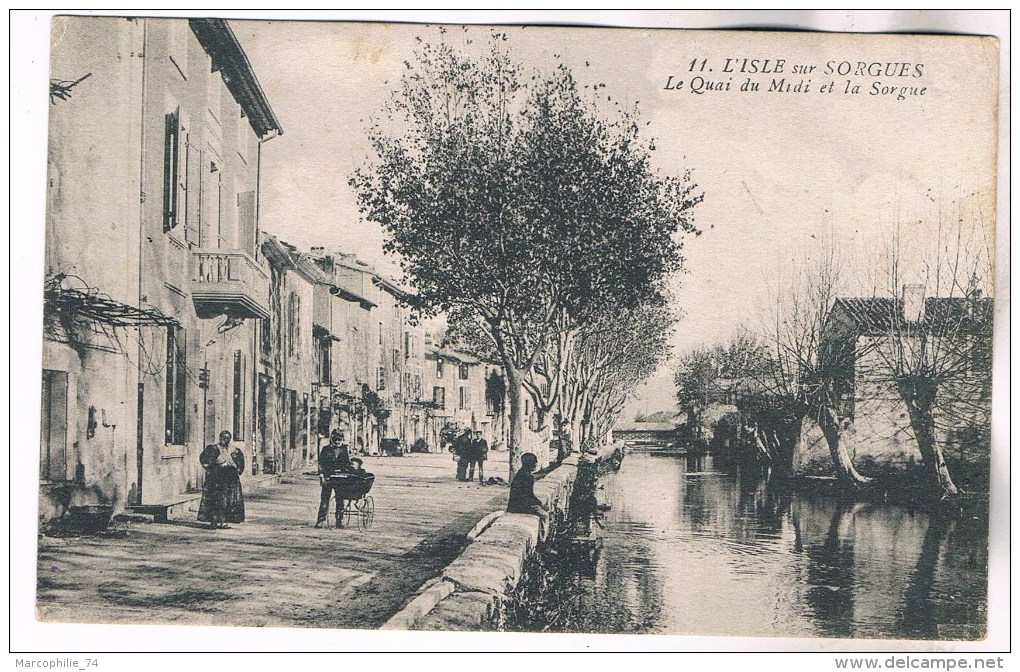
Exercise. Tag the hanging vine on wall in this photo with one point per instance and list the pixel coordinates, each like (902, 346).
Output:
(83, 317)
(60, 89)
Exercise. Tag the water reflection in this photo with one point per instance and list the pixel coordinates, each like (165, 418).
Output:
(692, 549)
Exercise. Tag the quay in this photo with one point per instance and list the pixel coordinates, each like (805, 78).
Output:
(276, 568)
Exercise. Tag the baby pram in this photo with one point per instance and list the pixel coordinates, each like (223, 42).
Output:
(354, 502)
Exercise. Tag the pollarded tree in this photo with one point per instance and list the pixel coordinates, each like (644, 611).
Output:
(516, 204)
(935, 347)
(807, 376)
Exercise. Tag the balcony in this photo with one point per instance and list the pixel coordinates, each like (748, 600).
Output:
(228, 282)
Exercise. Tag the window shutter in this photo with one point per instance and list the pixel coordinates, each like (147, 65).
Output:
(186, 162)
(246, 221)
(171, 166)
(180, 384)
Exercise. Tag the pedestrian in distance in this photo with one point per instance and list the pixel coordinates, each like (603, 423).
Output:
(522, 493)
(461, 449)
(334, 458)
(479, 453)
(222, 500)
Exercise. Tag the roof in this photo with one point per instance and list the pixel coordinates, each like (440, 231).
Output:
(353, 297)
(282, 254)
(391, 287)
(446, 353)
(229, 58)
(880, 315)
(285, 255)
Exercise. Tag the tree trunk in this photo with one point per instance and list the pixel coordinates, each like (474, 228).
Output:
(788, 440)
(841, 462)
(919, 409)
(515, 393)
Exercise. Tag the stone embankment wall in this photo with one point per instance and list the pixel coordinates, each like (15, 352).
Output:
(473, 590)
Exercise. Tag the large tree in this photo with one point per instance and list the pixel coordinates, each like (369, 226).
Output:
(806, 377)
(707, 373)
(517, 204)
(937, 354)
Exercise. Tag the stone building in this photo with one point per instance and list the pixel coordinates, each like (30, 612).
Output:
(154, 289)
(455, 382)
(863, 336)
(375, 349)
(288, 389)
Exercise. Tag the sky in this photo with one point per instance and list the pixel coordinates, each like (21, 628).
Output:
(783, 174)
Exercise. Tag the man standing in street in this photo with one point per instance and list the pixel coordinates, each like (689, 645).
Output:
(462, 451)
(335, 456)
(479, 453)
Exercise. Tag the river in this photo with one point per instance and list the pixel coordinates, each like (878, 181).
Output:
(691, 548)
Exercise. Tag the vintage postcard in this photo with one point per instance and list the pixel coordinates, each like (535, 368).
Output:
(503, 328)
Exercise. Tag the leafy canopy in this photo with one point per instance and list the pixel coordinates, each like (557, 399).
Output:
(514, 201)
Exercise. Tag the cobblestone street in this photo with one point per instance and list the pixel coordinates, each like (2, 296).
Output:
(275, 569)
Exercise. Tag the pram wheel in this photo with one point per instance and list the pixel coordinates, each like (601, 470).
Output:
(366, 512)
(344, 517)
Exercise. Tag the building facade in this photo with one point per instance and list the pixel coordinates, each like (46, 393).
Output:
(154, 289)
(455, 382)
(873, 334)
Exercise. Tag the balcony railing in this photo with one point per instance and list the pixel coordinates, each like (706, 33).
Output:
(228, 282)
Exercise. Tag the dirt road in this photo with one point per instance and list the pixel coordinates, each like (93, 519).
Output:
(275, 569)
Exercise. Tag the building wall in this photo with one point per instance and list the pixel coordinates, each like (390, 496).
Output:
(290, 439)
(219, 163)
(105, 231)
(91, 219)
(473, 412)
(880, 438)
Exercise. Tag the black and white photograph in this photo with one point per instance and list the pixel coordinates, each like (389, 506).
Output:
(517, 327)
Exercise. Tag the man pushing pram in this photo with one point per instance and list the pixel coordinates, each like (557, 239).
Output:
(342, 476)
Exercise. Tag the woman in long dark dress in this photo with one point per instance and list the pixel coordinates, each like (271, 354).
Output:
(222, 499)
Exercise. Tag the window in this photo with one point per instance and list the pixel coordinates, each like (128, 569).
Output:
(464, 371)
(295, 418)
(176, 150)
(462, 398)
(242, 135)
(53, 458)
(396, 359)
(382, 378)
(294, 325)
(214, 92)
(408, 342)
(266, 336)
(380, 333)
(246, 229)
(176, 385)
(439, 368)
(439, 396)
(239, 379)
(325, 364)
(417, 385)
(304, 426)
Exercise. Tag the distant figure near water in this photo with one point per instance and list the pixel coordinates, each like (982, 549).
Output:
(522, 491)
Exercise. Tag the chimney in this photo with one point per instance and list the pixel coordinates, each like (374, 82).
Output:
(318, 251)
(913, 303)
